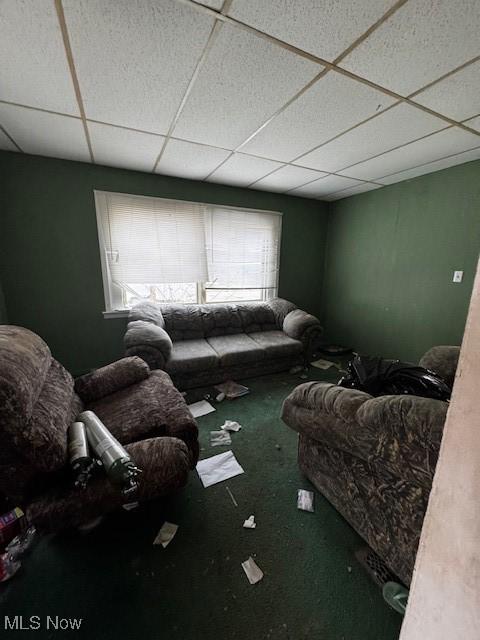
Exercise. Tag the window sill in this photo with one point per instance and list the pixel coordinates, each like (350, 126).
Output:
(120, 313)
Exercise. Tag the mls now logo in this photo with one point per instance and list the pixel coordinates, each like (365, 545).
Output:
(33, 623)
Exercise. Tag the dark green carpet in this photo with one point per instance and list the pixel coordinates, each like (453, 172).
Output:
(195, 589)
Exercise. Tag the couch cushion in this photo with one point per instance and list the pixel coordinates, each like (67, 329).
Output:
(276, 343)
(236, 349)
(191, 355)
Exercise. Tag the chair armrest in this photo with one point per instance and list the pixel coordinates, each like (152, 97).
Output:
(111, 378)
(148, 341)
(443, 360)
(303, 326)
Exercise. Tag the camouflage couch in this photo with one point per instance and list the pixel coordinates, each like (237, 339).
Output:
(374, 458)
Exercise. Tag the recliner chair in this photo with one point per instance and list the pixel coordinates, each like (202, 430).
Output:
(38, 402)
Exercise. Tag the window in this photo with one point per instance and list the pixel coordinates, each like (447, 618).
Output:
(175, 251)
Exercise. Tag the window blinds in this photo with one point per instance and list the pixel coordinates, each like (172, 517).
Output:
(152, 240)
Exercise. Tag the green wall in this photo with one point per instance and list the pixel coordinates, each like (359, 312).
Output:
(391, 254)
(49, 255)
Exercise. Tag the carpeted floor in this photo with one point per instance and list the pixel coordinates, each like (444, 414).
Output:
(195, 589)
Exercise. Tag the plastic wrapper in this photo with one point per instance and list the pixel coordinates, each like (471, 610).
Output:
(21, 543)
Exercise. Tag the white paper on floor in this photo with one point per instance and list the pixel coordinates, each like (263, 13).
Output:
(218, 468)
(323, 364)
(200, 408)
(250, 523)
(166, 533)
(219, 438)
(252, 570)
(128, 506)
(231, 425)
(305, 500)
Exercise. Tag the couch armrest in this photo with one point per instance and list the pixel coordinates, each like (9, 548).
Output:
(113, 377)
(148, 341)
(443, 360)
(303, 326)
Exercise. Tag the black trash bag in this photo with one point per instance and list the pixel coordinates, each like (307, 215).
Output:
(380, 377)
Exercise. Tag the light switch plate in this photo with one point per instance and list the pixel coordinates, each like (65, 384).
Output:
(457, 276)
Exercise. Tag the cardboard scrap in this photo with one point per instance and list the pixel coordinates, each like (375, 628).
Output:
(166, 534)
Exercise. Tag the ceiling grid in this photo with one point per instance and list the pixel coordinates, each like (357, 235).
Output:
(320, 115)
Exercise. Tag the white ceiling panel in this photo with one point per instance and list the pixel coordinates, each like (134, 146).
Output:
(458, 96)
(396, 126)
(244, 80)
(241, 170)
(135, 58)
(5, 143)
(213, 4)
(117, 147)
(353, 191)
(286, 178)
(322, 27)
(421, 42)
(324, 187)
(473, 123)
(34, 69)
(332, 105)
(437, 165)
(189, 160)
(45, 134)
(437, 146)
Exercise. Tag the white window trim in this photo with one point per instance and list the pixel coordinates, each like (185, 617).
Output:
(109, 313)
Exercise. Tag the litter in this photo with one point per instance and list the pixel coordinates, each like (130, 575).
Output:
(252, 571)
(200, 408)
(220, 397)
(166, 534)
(230, 425)
(305, 500)
(232, 389)
(250, 523)
(220, 438)
(323, 364)
(218, 468)
(232, 496)
(128, 506)
(296, 369)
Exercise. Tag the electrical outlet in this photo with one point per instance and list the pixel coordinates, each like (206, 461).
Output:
(457, 276)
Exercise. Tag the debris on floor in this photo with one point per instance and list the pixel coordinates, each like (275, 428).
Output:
(218, 468)
(232, 389)
(220, 397)
(278, 447)
(250, 523)
(324, 364)
(231, 425)
(305, 500)
(129, 506)
(166, 534)
(200, 408)
(220, 438)
(232, 497)
(252, 571)
(296, 369)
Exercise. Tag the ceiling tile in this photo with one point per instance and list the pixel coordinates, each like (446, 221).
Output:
(213, 4)
(116, 147)
(353, 191)
(286, 178)
(241, 170)
(244, 80)
(324, 28)
(34, 69)
(324, 187)
(396, 126)
(135, 58)
(437, 165)
(5, 143)
(457, 97)
(189, 160)
(422, 41)
(332, 105)
(45, 134)
(439, 145)
(473, 123)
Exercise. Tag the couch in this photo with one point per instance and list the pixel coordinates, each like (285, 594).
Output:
(200, 345)
(374, 458)
(39, 401)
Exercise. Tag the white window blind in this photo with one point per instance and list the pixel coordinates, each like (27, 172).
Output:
(178, 251)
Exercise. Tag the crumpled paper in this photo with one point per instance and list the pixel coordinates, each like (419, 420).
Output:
(231, 425)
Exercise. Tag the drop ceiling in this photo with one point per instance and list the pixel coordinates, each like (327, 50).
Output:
(314, 98)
